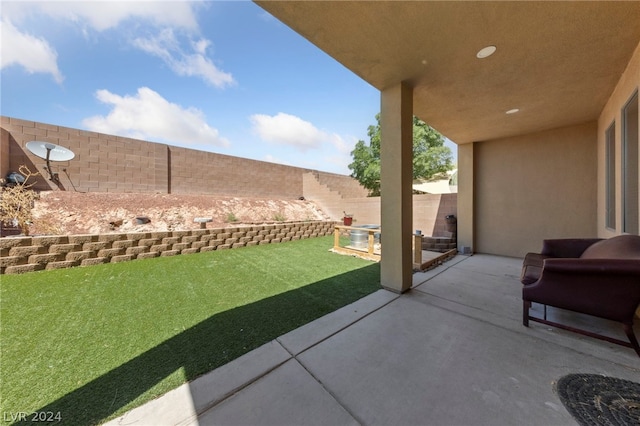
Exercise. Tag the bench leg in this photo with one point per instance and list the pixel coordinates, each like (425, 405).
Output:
(525, 312)
(628, 329)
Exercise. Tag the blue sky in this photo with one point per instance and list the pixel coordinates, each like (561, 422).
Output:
(215, 76)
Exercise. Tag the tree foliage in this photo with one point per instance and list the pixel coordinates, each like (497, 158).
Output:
(430, 156)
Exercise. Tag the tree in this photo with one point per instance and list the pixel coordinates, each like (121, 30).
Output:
(430, 156)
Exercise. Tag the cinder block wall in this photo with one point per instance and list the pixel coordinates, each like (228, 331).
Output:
(28, 254)
(209, 173)
(347, 188)
(429, 210)
(107, 163)
(102, 163)
(4, 152)
(435, 207)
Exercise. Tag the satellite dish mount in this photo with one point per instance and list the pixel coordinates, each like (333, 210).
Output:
(50, 152)
(52, 176)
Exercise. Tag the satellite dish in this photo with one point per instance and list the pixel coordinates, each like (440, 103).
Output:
(50, 152)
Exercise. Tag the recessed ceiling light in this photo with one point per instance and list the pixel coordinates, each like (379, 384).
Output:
(486, 52)
(512, 111)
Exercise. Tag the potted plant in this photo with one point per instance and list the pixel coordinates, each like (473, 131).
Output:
(347, 219)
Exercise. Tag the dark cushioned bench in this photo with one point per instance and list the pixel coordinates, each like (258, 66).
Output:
(599, 277)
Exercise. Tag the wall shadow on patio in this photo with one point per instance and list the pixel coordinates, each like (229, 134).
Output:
(260, 321)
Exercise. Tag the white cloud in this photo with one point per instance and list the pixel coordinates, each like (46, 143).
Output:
(342, 145)
(288, 129)
(103, 15)
(169, 16)
(167, 47)
(149, 116)
(200, 46)
(342, 156)
(34, 54)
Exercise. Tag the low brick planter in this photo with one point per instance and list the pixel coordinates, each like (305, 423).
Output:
(439, 244)
(27, 254)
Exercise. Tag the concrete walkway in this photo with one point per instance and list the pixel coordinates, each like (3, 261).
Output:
(452, 351)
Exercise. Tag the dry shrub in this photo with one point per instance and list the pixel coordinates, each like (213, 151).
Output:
(16, 202)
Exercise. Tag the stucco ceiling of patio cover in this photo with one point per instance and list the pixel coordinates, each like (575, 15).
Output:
(558, 62)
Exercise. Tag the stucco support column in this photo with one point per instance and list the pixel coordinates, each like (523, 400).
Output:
(396, 179)
(466, 196)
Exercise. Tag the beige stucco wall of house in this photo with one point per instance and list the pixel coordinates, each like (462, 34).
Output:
(535, 186)
(612, 112)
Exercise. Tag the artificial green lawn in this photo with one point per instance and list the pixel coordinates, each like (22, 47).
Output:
(91, 343)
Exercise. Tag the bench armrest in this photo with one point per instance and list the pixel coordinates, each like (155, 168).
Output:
(607, 288)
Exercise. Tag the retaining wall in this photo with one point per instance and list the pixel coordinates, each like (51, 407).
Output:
(27, 254)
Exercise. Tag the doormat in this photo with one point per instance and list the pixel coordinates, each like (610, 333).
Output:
(600, 400)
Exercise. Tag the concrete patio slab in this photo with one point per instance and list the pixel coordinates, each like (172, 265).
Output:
(492, 265)
(488, 288)
(486, 292)
(310, 334)
(287, 396)
(173, 408)
(414, 363)
(213, 387)
(420, 277)
(180, 405)
(452, 351)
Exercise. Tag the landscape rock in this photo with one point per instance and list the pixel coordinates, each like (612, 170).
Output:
(72, 213)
